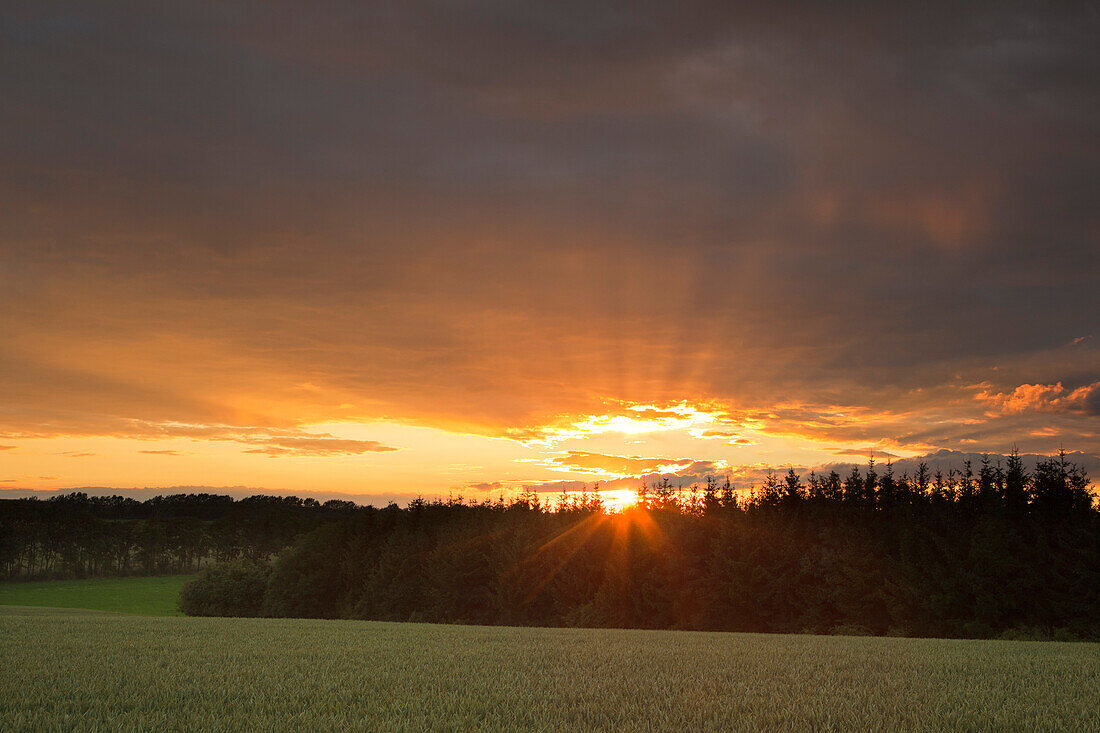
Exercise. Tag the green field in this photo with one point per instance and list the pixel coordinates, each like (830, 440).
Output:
(153, 596)
(81, 671)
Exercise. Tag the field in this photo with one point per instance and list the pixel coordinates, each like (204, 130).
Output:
(153, 596)
(67, 670)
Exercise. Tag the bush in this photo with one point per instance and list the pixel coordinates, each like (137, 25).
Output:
(306, 581)
(230, 589)
(1023, 633)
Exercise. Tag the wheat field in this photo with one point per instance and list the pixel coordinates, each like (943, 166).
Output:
(77, 670)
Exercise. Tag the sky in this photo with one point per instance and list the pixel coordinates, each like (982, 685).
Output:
(389, 249)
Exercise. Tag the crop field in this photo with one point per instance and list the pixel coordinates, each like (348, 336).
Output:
(144, 596)
(69, 670)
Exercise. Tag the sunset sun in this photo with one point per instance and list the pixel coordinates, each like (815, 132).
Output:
(617, 500)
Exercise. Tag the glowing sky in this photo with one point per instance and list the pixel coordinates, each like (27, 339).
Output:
(433, 247)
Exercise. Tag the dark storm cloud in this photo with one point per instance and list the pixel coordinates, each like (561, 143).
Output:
(487, 213)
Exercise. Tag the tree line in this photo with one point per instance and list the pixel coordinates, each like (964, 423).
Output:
(987, 550)
(78, 536)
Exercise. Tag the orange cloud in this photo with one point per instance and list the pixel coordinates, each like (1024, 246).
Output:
(632, 466)
(1044, 398)
(585, 462)
(485, 486)
(313, 446)
(265, 440)
(863, 452)
(730, 437)
(945, 217)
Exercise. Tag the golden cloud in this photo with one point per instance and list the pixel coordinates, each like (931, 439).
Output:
(626, 466)
(1043, 398)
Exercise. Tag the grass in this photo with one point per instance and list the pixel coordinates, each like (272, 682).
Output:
(151, 596)
(68, 670)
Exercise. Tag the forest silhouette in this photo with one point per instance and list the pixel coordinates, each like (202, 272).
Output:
(982, 551)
